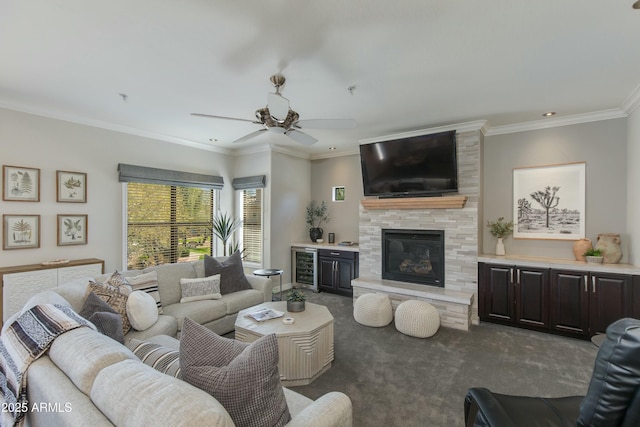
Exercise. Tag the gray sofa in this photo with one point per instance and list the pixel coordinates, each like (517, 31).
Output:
(87, 378)
(217, 315)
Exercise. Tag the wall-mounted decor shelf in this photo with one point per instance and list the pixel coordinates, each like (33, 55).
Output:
(444, 202)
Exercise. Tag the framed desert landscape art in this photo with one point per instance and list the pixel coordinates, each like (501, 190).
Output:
(72, 230)
(20, 184)
(549, 202)
(20, 231)
(71, 187)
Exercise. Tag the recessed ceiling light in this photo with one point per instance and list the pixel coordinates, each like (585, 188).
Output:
(549, 114)
(213, 140)
(332, 148)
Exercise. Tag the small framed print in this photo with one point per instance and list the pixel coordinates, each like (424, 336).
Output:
(72, 230)
(338, 194)
(20, 184)
(72, 187)
(20, 231)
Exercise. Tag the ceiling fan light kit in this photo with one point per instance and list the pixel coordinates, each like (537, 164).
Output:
(278, 117)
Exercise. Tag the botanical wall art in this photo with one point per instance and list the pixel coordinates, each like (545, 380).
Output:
(72, 230)
(20, 184)
(20, 231)
(72, 187)
(339, 194)
(549, 202)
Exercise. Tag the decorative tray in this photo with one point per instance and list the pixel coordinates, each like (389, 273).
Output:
(55, 262)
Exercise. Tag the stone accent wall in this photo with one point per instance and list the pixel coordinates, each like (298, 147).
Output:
(460, 226)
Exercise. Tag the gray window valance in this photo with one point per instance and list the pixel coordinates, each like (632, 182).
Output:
(133, 173)
(244, 183)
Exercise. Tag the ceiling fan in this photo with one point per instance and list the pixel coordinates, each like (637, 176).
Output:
(277, 117)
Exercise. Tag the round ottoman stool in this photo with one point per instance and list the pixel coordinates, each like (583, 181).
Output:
(417, 319)
(373, 310)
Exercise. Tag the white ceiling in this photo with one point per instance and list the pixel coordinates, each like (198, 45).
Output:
(415, 64)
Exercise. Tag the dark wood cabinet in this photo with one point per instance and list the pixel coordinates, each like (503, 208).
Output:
(567, 302)
(336, 269)
(514, 295)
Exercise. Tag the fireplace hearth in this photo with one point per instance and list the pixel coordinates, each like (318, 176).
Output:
(414, 256)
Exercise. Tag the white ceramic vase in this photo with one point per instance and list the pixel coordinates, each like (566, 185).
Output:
(500, 247)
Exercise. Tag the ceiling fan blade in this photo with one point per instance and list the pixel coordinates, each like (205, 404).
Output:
(249, 136)
(223, 117)
(300, 137)
(326, 124)
(278, 106)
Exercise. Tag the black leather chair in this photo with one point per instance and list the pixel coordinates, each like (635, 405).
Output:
(613, 397)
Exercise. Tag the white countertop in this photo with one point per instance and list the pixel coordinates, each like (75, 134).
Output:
(352, 248)
(566, 264)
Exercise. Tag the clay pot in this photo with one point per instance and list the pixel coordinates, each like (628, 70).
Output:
(580, 247)
(609, 245)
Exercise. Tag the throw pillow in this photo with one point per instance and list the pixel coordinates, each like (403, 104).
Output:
(200, 288)
(141, 310)
(115, 299)
(244, 378)
(116, 282)
(147, 282)
(231, 273)
(163, 359)
(105, 318)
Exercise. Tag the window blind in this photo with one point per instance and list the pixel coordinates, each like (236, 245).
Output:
(133, 173)
(252, 224)
(167, 223)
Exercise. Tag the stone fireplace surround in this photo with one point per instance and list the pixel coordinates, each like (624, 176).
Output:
(457, 302)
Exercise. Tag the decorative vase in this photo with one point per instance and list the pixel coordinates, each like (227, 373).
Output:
(609, 245)
(295, 306)
(500, 246)
(580, 247)
(315, 233)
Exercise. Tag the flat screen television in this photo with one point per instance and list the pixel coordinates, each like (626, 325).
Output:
(417, 166)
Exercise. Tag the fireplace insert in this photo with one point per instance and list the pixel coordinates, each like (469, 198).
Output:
(414, 256)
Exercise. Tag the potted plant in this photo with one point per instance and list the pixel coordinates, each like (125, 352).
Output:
(501, 230)
(594, 256)
(223, 227)
(295, 300)
(316, 216)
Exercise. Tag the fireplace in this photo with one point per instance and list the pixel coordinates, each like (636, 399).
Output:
(415, 256)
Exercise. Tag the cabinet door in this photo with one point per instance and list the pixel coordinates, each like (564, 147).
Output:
(532, 293)
(18, 288)
(610, 299)
(326, 274)
(498, 290)
(569, 302)
(345, 272)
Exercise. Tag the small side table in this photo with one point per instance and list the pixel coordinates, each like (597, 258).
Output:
(268, 272)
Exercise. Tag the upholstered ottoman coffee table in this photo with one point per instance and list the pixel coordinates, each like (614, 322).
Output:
(305, 347)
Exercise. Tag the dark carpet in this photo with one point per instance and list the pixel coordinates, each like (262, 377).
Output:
(397, 380)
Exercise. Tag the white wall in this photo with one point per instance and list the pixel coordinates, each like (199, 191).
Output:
(50, 145)
(633, 180)
(332, 172)
(602, 145)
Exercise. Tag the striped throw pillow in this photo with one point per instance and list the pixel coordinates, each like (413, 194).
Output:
(160, 358)
(147, 282)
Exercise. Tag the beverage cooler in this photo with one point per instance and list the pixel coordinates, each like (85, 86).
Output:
(304, 267)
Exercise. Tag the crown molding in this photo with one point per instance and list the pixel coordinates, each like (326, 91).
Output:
(80, 120)
(614, 113)
(333, 154)
(289, 152)
(632, 102)
(459, 128)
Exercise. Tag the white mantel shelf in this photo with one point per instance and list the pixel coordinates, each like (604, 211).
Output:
(444, 202)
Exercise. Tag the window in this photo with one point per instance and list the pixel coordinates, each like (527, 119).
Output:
(167, 223)
(251, 232)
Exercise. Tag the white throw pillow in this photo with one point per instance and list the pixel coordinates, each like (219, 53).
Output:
(200, 288)
(141, 310)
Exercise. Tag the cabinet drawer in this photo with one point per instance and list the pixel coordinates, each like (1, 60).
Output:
(337, 253)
